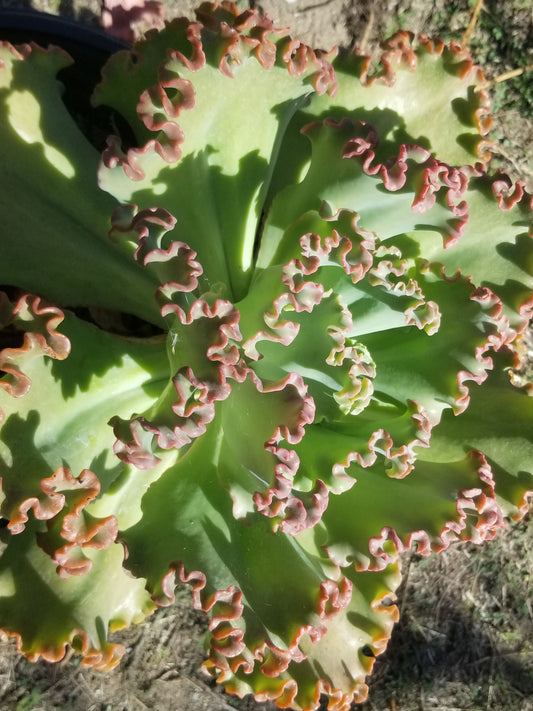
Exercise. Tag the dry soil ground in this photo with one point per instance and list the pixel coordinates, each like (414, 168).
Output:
(465, 639)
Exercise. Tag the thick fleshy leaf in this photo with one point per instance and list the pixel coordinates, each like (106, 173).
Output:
(58, 524)
(489, 426)
(345, 294)
(46, 612)
(49, 200)
(241, 580)
(398, 100)
(507, 266)
(259, 72)
(410, 70)
(103, 375)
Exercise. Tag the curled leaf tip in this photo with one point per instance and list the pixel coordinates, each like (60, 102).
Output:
(38, 322)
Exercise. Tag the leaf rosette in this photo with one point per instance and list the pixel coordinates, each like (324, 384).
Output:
(260, 350)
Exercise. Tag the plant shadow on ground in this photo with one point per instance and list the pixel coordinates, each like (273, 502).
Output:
(465, 636)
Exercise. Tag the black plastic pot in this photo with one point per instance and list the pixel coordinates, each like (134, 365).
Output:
(88, 47)
(77, 38)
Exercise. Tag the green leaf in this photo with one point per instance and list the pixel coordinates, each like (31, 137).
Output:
(191, 145)
(344, 293)
(50, 201)
(262, 619)
(46, 612)
(104, 375)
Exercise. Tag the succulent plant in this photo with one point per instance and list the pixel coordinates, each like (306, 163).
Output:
(260, 347)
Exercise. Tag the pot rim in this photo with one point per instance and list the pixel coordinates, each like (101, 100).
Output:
(64, 29)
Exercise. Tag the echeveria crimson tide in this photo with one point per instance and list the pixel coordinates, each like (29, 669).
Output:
(261, 352)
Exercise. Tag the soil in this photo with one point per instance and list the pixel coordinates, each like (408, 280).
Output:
(465, 638)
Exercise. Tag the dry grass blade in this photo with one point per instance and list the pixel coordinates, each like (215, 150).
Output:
(512, 74)
(472, 24)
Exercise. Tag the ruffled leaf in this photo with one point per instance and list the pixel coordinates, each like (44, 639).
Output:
(170, 78)
(45, 612)
(56, 526)
(240, 579)
(345, 299)
(50, 201)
